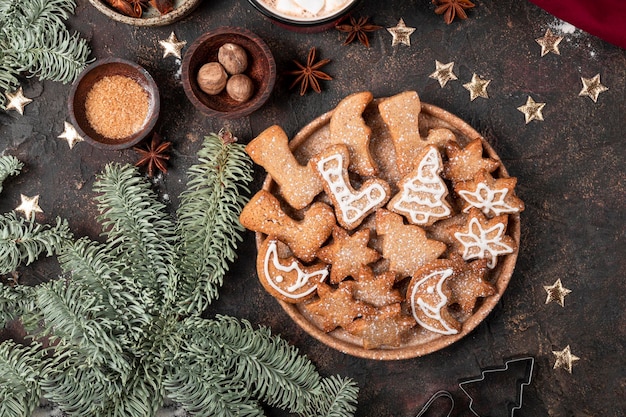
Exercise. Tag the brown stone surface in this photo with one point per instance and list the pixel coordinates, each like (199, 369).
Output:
(570, 169)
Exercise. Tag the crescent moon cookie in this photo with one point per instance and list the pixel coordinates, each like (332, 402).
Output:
(429, 295)
(286, 278)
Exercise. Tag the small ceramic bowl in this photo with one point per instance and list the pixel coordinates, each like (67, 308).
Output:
(306, 24)
(151, 16)
(261, 70)
(86, 80)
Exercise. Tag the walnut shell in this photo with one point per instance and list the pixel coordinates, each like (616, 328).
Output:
(233, 57)
(240, 87)
(212, 78)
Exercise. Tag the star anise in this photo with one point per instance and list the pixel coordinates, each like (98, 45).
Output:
(309, 75)
(357, 29)
(154, 156)
(452, 8)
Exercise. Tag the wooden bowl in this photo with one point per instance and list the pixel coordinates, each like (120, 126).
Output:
(261, 69)
(315, 137)
(151, 16)
(93, 74)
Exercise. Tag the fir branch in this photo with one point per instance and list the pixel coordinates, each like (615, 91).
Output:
(270, 368)
(77, 318)
(138, 229)
(9, 165)
(205, 390)
(18, 302)
(19, 387)
(22, 241)
(34, 39)
(208, 220)
(338, 399)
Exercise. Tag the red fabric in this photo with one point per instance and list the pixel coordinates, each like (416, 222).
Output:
(605, 19)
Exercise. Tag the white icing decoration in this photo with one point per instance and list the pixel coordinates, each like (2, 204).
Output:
(487, 200)
(433, 312)
(426, 190)
(477, 243)
(331, 169)
(301, 281)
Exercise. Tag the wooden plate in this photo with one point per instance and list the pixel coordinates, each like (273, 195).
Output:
(315, 137)
(151, 16)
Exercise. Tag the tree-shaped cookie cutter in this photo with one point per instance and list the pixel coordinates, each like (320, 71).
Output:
(530, 365)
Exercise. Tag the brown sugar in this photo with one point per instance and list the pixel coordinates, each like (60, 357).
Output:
(116, 106)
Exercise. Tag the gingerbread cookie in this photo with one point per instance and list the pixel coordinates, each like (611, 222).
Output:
(298, 185)
(482, 238)
(385, 328)
(286, 278)
(429, 296)
(422, 196)
(464, 163)
(264, 214)
(406, 246)
(348, 127)
(469, 284)
(351, 206)
(347, 254)
(376, 290)
(492, 196)
(337, 308)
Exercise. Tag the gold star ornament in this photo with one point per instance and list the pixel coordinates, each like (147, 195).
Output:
(477, 87)
(17, 101)
(401, 33)
(592, 87)
(70, 135)
(556, 292)
(29, 205)
(172, 46)
(549, 43)
(564, 359)
(443, 73)
(532, 110)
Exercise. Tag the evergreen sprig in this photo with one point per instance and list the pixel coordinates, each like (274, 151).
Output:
(19, 380)
(9, 165)
(22, 241)
(34, 40)
(208, 220)
(119, 339)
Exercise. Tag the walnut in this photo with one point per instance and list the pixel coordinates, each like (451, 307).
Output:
(240, 87)
(233, 57)
(212, 78)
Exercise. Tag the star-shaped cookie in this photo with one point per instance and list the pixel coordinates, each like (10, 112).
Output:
(405, 246)
(469, 284)
(347, 254)
(337, 308)
(483, 238)
(386, 328)
(464, 163)
(376, 290)
(492, 196)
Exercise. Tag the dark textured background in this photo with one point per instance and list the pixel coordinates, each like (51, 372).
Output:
(570, 169)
